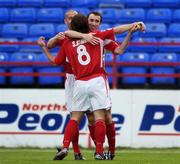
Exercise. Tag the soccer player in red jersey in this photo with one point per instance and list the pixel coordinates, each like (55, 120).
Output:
(58, 40)
(90, 91)
(94, 21)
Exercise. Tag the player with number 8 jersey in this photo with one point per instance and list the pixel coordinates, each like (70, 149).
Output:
(87, 60)
(90, 88)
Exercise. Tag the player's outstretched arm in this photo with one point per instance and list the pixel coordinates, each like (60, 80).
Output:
(121, 49)
(123, 28)
(53, 42)
(88, 37)
(42, 44)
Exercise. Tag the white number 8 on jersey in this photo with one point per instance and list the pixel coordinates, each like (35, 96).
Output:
(81, 50)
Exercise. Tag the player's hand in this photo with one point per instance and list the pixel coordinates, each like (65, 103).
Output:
(41, 41)
(60, 36)
(140, 26)
(91, 38)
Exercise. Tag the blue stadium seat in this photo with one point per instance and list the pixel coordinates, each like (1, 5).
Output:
(104, 26)
(42, 29)
(4, 15)
(176, 16)
(18, 30)
(169, 48)
(111, 3)
(57, 3)
(22, 57)
(134, 57)
(109, 15)
(174, 30)
(41, 57)
(82, 10)
(155, 30)
(143, 48)
(2, 78)
(50, 15)
(131, 15)
(50, 80)
(23, 15)
(159, 15)
(8, 47)
(108, 68)
(163, 57)
(138, 3)
(121, 36)
(28, 47)
(108, 57)
(30, 3)
(8, 3)
(85, 3)
(61, 28)
(3, 58)
(166, 3)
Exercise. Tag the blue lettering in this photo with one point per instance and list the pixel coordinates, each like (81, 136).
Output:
(149, 120)
(65, 124)
(177, 124)
(8, 113)
(82, 123)
(118, 120)
(50, 117)
(27, 120)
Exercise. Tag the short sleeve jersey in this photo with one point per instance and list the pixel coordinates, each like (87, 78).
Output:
(86, 59)
(67, 66)
(110, 44)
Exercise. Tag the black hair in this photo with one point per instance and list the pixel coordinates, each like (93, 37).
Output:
(79, 23)
(96, 14)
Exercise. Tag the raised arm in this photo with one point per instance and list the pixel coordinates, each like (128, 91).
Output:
(123, 28)
(121, 49)
(53, 42)
(88, 37)
(42, 44)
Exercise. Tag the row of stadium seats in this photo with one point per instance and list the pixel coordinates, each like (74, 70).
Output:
(135, 46)
(91, 4)
(110, 15)
(55, 80)
(22, 30)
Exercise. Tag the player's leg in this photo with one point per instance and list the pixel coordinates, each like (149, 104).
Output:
(71, 131)
(111, 134)
(100, 102)
(80, 103)
(110, 128)
(69, 86)
(91, 125)
(100, 132)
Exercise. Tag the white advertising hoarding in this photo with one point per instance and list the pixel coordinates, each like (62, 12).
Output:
(37, 118)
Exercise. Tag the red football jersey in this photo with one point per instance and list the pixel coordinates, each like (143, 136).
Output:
(110, 44)
(86, 60)
(67, 66)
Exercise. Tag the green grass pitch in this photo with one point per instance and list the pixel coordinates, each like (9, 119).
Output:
(123, 156)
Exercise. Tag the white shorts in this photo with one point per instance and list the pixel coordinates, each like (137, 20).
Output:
(91, 95)
(69, 87)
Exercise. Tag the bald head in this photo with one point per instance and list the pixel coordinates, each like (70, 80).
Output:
(68, 17)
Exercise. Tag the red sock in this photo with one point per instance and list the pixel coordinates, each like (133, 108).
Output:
(100, 132)
(70, 133)
(92, 131)
(111, 136)
(75, 143)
